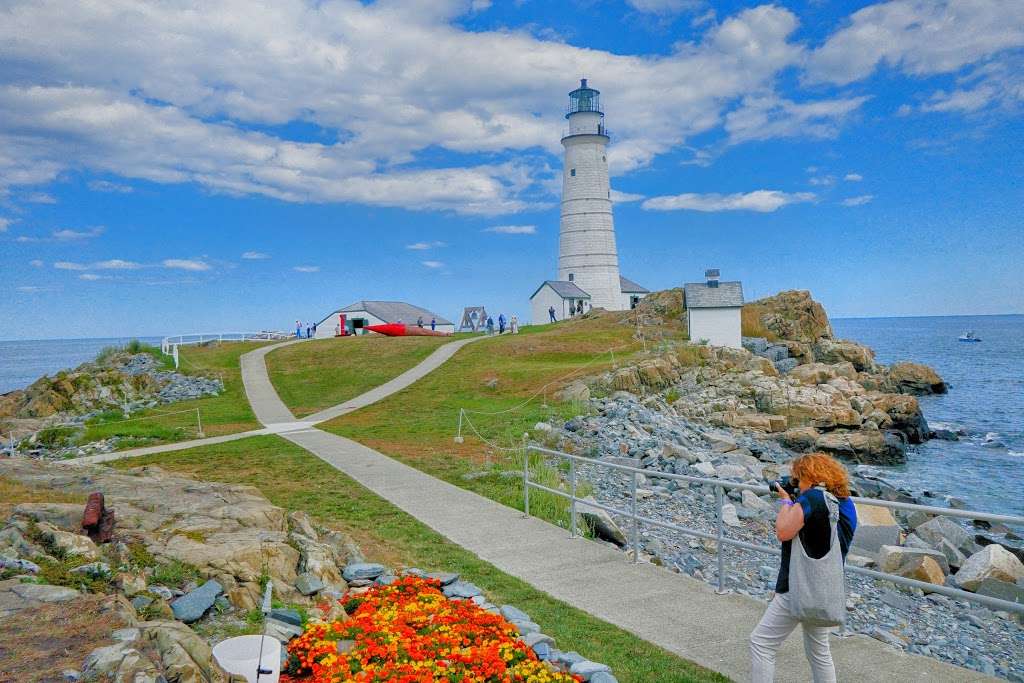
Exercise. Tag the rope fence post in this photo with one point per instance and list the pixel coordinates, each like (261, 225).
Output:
(199, 421)
(458, 437)
(526, 478)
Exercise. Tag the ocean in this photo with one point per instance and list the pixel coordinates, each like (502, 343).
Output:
(23, 362)
(986, 397)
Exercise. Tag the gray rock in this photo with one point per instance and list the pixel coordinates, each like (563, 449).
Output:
(446, 578)
(532, 640)
(281, 630)
(601, 522)
(525, 627)
(385, 579)
(514, 613)
(288, 616)
(126, 635)
(1004, 590)
(586, 669)
(729, 515)
(18, 565)
(93, 569)
(71, 676)
(40, 592)
(362, 570)
(193, 605)
(939, 528)
(606, 676)
(461, 589)
(161, 592)
(141, 602)
(308, 583)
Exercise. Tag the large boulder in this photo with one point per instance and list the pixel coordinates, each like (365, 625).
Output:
(799, 438)
(991, 562)
(792, 315)
(876, 527)
(601, 522)
(892, 558)
(914, 378)
(813, 373)
(904, 413)
(843, 351)
(939, 529)
(865, 446)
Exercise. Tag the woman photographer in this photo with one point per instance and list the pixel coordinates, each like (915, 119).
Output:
(822, 511)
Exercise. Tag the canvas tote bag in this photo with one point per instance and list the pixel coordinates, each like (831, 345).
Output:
(817, 587)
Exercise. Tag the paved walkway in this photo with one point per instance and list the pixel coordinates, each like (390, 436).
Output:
(674, 611)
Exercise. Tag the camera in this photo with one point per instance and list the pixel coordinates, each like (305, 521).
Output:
(788, 484)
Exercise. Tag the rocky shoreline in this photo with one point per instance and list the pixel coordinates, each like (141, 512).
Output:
(646, 433)
(47, 419)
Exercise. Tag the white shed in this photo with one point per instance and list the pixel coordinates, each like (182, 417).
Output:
(713, 311)
(565, 297)
(362, 314)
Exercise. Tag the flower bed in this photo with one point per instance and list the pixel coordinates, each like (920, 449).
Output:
(409, 632)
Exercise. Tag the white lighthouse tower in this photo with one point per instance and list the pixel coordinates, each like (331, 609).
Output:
(588, 261)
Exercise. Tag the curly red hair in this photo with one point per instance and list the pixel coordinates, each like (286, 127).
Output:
(821, 468)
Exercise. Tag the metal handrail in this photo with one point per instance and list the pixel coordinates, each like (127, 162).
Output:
(721, 539)
(169, 345)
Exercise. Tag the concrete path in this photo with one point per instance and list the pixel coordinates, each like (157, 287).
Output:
(674, 611)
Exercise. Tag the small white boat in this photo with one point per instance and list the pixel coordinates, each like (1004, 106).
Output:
(968, 337)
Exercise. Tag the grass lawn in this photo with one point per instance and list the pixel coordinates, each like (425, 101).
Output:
(226, 413)
(418, 424)
(325, 372)
(294, 479)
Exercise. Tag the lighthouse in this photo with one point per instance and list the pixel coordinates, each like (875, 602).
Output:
(588, 261)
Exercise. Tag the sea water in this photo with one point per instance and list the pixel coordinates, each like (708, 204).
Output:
(23, 362)
(986, 398)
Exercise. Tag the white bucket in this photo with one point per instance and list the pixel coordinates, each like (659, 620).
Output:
(239, 656)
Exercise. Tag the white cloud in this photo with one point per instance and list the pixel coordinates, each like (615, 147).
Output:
(665, 6)
(4, 224)
(433, 264)
(512, 229)
(117, 264)
(255, 255)
(31, 289)
(822, 181)
(423, 246)
(762, 117)
(40, 198)
(185, 264)
(624, 197)
(853, 177)
(997, 84)
(68, 235)
(306, 269)
(169, 96)
(918, 37)
(93, 277)
(107, 186)
(36, 263)
(858, 201)
(110, 264)
(762, 201)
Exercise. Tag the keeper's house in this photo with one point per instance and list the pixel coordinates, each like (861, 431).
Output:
(362, 314)
(713, 310)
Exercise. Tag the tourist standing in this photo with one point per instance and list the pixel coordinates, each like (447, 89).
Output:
(298, 330)
(433, 324)
(490, 325)
(513, 324)
(308, 328)
(314, 329)
(419, 322)
(551, 314)
(821, 513)
(501, 323)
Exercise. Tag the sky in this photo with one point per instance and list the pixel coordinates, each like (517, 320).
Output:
(174, 167)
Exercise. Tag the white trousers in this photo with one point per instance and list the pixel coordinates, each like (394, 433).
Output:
(775, 626)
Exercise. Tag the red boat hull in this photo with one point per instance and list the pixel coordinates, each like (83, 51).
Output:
(400, 330)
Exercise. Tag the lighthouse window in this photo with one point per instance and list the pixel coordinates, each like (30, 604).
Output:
(572, 172)
(603, 158)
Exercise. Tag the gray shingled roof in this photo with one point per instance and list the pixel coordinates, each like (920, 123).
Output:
(629, 287)
(392, 311)
(566, 290)
(725, 295)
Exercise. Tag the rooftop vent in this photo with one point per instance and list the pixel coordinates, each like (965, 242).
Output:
(712, 275)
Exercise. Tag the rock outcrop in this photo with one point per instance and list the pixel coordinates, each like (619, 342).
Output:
(792, 315)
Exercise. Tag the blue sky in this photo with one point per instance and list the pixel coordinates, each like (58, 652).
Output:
(186, 167)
